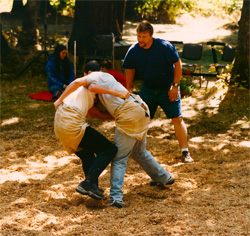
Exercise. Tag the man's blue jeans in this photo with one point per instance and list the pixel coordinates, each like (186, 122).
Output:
(137, 149)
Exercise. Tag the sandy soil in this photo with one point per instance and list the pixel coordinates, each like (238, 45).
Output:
(210, 196)
(188, 29)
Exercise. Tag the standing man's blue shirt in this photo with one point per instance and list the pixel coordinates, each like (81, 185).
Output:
(154, 65)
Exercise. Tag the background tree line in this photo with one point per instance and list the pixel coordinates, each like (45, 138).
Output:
(102, 17)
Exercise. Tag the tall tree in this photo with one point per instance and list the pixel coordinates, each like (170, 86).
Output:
(4, 44)
(30, 25)
(93, 18)
(18, 8)
(240, 70)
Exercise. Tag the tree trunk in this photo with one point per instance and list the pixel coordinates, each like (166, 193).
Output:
(46, 9)
(17, 9)
(30, 26)
(129, 11)
(5, 49)
(240, 71)
(93, 18)
(120, 17)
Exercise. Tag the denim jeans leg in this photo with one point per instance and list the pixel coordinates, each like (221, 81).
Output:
(53, 89)
(119, 164)
(148, 162)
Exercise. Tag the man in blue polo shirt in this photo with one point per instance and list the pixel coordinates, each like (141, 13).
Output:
(156, 62)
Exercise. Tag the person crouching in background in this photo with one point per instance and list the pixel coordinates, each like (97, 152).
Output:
(59, 71)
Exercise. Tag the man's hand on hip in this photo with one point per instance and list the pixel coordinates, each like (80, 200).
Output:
(173, 93)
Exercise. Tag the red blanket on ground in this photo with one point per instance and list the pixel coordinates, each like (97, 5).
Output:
(45, 95)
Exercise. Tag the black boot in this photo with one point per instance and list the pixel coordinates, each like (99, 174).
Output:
(89, 188)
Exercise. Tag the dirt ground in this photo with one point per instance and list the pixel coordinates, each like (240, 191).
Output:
(209, 197)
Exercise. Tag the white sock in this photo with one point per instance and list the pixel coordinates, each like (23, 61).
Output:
(184, 149)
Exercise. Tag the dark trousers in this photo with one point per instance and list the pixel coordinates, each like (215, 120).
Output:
(97, 152)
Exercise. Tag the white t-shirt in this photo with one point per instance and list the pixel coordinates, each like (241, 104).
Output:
(109, 101)
(130, 117)
(82, 98)
(70, 124)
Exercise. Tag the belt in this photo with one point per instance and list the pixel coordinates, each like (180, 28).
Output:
(141, 104)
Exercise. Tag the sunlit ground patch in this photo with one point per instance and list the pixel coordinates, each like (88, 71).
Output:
(10, 121)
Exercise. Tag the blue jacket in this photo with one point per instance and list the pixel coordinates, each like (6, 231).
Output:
(53, 79)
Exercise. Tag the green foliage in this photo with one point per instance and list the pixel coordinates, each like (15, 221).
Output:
(217, 7)
(186, 84)
(64, 7)
(233, 6)
(164, 11)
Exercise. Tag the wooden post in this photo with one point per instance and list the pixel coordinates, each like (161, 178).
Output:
(75, 57)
